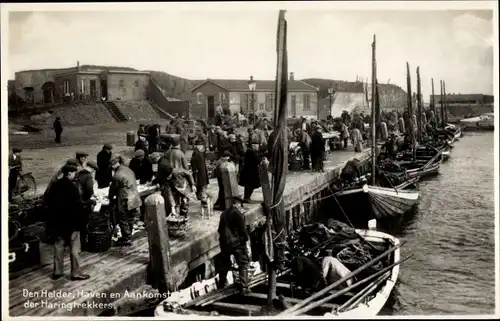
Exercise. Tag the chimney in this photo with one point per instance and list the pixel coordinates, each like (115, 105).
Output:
(292, 76)
(78, 65)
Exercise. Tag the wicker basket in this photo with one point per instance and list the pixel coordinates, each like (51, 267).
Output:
(99, 238)
(177, 226)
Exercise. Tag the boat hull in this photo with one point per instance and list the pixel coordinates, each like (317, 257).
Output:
(368, 202)
(367, 309)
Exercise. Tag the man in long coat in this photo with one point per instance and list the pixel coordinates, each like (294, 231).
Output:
(58, 129)
(124, 196)
(305, 145)
(85, 182)
(200, 172)
(141, 144)
(65, 222)
(104, 173)
(249, 175)
(317, 150)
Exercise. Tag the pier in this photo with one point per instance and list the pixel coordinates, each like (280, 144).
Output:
(118, 276)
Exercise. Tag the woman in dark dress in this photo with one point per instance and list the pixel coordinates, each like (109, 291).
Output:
(249, 175)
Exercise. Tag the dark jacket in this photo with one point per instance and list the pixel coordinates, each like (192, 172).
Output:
(65, 208)
(212, 139)
(307, 273)
(236, 149)
(141, 145)
(142, 168)
(124, 187)
(249, 175)
(161, 175)
(57, 126)
(317, 143)
(199, 168)
(85, 184)
(232, 228)
(104, 173)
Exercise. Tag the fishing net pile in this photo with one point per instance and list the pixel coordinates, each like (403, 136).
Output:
(345, 244)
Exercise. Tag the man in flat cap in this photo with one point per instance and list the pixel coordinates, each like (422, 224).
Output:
(84, 180)
(176, 156)
(142, 167)
(174, 184)
(65, 222)
(233, 238)
(104, 173)
(317, 149)
(124, 197)
(15, 168)
(59, 174)
(82, 158)
(141, 144)
(200, 172)
(58, 129)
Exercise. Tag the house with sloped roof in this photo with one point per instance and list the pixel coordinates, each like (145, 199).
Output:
(235, 95)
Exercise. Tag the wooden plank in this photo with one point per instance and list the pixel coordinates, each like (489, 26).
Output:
(246, 309)
(121, 269)
(263, 296)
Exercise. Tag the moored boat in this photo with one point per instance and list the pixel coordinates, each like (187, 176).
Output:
(483, 122)
(366, 297)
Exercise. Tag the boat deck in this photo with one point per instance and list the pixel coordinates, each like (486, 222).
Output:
(32, 292)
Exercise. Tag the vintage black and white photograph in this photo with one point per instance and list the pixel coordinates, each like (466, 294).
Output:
(269, 159)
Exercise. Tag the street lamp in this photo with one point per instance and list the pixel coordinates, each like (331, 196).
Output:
(251, 85)
(330, 94)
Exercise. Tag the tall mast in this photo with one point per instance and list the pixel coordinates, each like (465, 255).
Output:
(374, 125)
(419, 107)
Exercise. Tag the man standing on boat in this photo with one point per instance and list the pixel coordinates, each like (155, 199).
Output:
(233, 238)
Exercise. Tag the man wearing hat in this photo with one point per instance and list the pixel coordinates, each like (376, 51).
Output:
(212, 138)
(15, 168)
(141, 144)
(220, 204)
(65, 222)
(305, 145)
(124, 196)
(142, 167)
(176, 156)
(200, 172)
(174, 183)
(249, 175)
(233, 238)
(317, 149)
(58, 129)
(82, 158)
(104, 173)
(85, 181)
(59, 174)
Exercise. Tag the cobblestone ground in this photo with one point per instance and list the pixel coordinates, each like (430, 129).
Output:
(43, 157)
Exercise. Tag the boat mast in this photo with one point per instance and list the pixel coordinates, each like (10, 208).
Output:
(411, 130)
(433, 101)
(374, 90)
(442, 104)
(419, 107)
(445, 116)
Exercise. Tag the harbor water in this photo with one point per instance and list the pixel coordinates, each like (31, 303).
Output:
(451, 237)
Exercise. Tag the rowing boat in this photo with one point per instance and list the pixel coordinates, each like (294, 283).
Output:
(203, 299)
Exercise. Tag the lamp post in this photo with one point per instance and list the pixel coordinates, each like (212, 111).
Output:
(330, 95)
(251, 85)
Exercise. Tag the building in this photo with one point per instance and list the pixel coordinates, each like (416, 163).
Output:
(345, 98)
(235, 95)
(464, 99)
(83, 84)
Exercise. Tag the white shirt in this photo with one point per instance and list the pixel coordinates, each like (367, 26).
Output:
(333, 270)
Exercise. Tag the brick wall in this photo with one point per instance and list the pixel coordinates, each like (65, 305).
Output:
(127, 86)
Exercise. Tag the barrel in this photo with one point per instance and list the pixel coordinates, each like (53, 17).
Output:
(383, 130)
(130, 138)
(401, 124)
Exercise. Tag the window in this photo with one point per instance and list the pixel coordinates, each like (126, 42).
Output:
(307, 102)
(199, 98)
(261, 106)
(269, 102)
(82, 86)
(121, 83)
(221, 97)
(136, 83)
(66, 87)
(244, 98)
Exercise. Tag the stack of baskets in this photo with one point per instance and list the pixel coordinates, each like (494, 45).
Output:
(177, 226)
(99, 234)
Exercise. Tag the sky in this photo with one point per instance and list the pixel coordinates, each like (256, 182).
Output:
(456, 46)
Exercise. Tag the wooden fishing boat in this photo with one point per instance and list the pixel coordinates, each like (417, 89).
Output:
(367, 298)
(383, 201)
